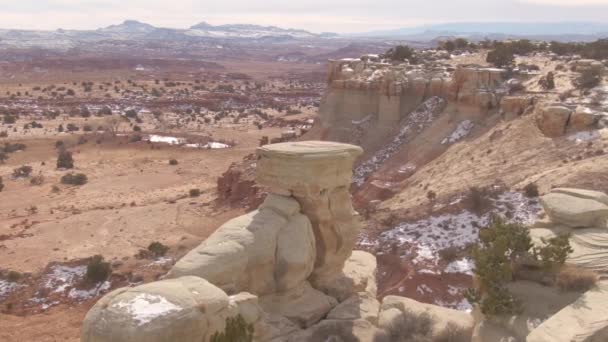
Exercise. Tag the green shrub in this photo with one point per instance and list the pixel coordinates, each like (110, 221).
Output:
(157, 249)
(173, 162)
(98, 270)
(237, 330)
(554, 253)
(502, 247)
(194, 192)
(400, 53)
(64, 159)
(477, 200)
(14, 276)
(74, 179)
(501, 57)
(531, 190)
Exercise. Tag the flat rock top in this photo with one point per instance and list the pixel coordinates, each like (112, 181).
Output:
(309, 149)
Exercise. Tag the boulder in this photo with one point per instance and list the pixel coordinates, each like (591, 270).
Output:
(514, 106)
(589, 245)
(583, 119)
(303, 305)
(358, 275)
(268, 250)
(574, 210)
(443, 319)
(187, 309)
(359, 306)
(339, 331)
(552, 120)
(582, 193)
(585, 320)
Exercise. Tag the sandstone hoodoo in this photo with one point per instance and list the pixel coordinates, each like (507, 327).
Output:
(287, 269)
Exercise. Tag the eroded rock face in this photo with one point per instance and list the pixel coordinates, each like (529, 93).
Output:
(318, 175)
(269, 250)
(188, 309)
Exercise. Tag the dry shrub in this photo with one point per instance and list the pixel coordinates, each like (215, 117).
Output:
(411, 327)
(572, 278)
(453, 333)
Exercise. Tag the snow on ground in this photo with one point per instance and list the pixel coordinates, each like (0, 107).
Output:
(215, 145)
(82, 295)
(462, 130)
(586, 136)
(62, 277)
(465, 266)
(166, 139)
(423, 116)
(435, 233)
(145, 307)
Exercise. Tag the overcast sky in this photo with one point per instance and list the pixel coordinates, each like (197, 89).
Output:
(313, 15)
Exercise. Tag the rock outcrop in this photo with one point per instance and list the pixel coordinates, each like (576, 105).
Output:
(287, 268)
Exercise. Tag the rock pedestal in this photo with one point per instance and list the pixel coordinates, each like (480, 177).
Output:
(318, 175)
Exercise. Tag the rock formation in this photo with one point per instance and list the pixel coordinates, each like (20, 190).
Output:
(287, 268)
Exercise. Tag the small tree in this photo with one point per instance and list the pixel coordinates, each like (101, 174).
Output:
(64, 159)
(501, 57)
(97, 270)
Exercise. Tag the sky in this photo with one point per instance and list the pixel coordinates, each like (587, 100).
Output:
(339, 16)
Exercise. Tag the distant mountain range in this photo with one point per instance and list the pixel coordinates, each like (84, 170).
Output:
(498, 30)
(135, 30)
(132, 30)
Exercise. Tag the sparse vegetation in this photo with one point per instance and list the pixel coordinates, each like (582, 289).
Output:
(410, 326)
(22, 172)
(74, 179)
(173, 162)
(194, 192)
(400, 53)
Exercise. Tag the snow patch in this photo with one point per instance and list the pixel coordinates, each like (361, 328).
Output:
(145, 307)
(585, 136)
(166, 139)
(7, 287)
(462, 130)
(465, 266)
(82, 295)
(62, 277)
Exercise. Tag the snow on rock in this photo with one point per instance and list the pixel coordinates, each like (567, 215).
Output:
(419, 119)
(145, 307)
(462, 130)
